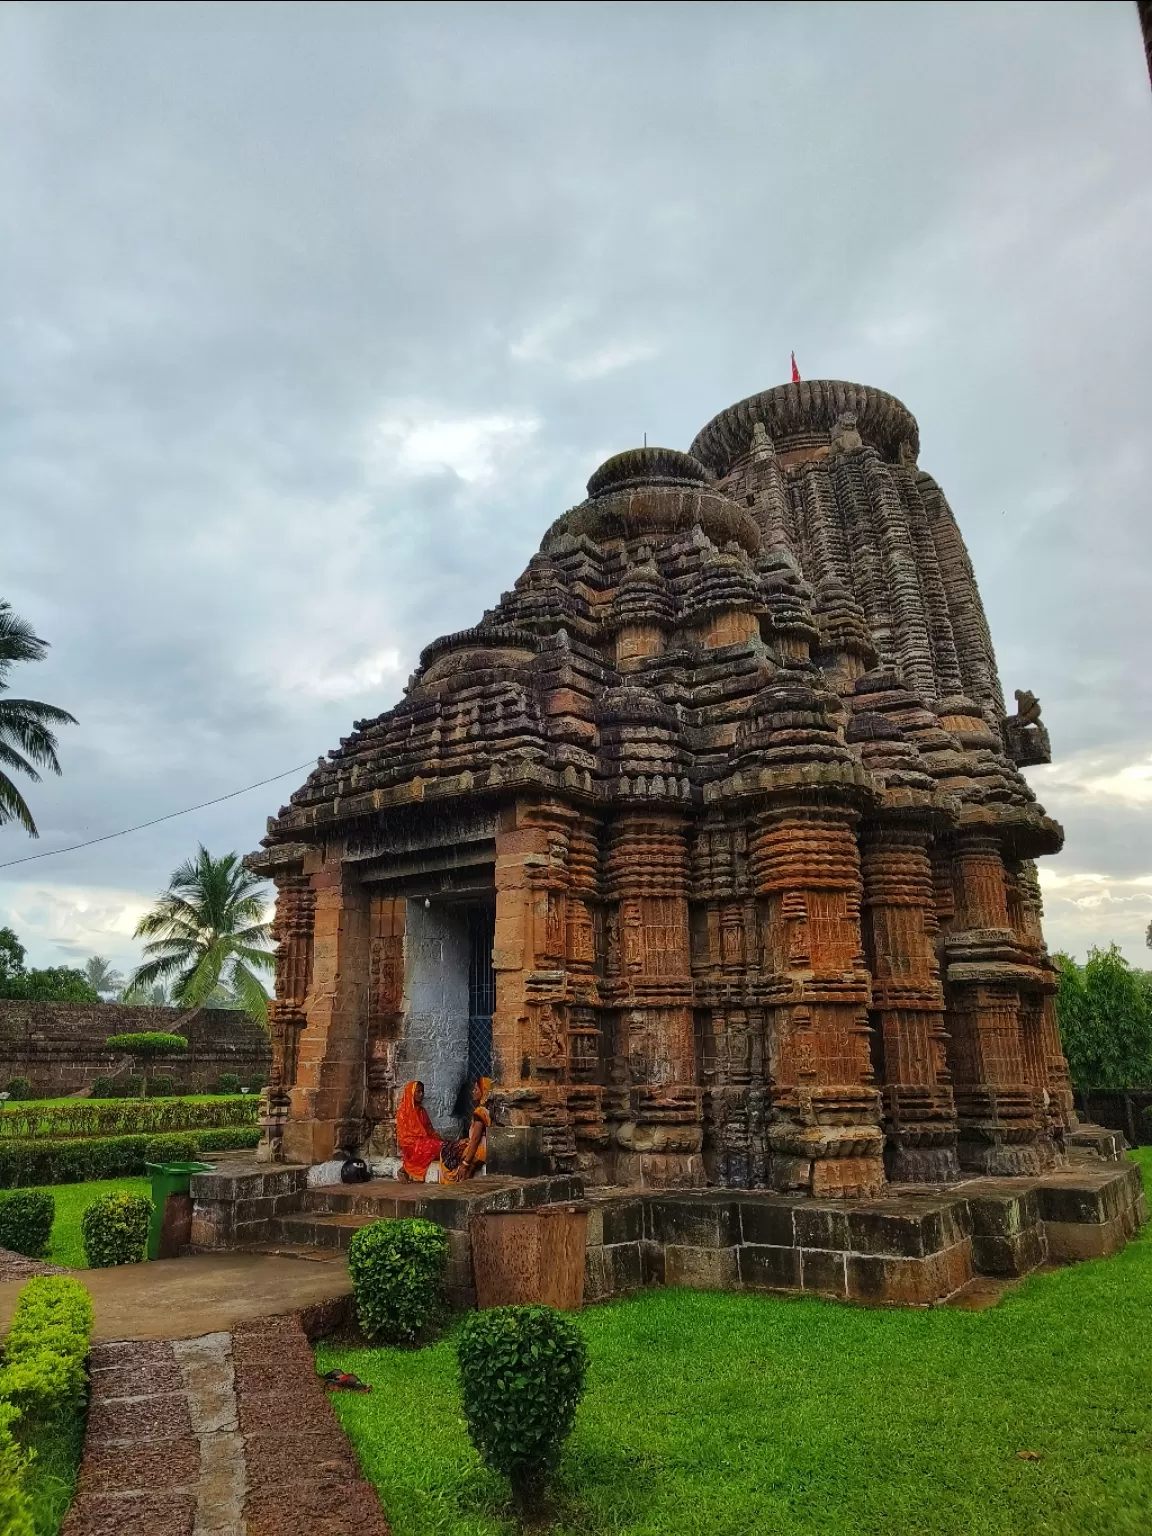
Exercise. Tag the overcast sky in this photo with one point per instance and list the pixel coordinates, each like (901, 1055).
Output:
(316, 315)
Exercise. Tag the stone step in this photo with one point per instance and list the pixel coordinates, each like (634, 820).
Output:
(323, 1231)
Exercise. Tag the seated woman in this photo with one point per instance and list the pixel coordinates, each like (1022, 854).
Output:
(461, 1159)
(419, 1144)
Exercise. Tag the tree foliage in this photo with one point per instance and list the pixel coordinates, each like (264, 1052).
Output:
(54, 984)
(27, 742)
(1105, 1013)
(101, 977)
(209, 934)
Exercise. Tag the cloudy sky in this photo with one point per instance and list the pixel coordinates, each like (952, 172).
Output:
(316, 315)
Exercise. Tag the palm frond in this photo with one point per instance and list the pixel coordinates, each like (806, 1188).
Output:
(250, 993)
(14, 807)
(18, 640)
(12, 759)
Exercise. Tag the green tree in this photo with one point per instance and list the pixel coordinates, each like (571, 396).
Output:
(55, 984)
(1105, 1013)
(101, 977)
(208, 930)
(27, 741)
(11, 956)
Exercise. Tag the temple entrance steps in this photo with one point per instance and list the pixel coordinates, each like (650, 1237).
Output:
(915, 1246)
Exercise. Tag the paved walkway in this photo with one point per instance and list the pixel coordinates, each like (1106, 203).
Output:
(185, 1298)
(228, 1434)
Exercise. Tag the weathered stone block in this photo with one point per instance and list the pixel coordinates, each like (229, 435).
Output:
(769, 1267)
(709, 1268)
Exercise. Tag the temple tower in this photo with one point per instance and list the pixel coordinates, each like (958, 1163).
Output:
(710, 838)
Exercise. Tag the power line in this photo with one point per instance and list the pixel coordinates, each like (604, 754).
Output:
(108, 836)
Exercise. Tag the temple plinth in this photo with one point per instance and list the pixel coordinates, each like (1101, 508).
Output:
(709, 843)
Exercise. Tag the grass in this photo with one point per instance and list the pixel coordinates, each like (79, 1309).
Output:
(727, 1414)
(67, 1245)
(51, 1479)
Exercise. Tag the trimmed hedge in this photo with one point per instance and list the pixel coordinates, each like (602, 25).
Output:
(98, 1157)
(242, 1136)
(86, 1117)
(115, 1229)
(26, 1222)
(176, 1147)
(397, 1271)
(46, 1347)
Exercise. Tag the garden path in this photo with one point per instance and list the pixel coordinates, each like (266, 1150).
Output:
(188, 1297)
(226, 1434)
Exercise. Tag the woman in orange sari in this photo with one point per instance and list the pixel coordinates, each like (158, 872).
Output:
(460, 1160)
(418, 1142)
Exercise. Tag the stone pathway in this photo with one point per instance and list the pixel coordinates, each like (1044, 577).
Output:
(227, 1434)
(202, 1293)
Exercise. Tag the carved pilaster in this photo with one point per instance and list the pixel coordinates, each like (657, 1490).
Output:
(999, 1108)
(824, 1132)
(649, 988)
(908, 1002)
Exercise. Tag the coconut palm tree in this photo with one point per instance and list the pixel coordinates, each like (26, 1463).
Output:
(100, 975)
(208, 930)
(26, 737)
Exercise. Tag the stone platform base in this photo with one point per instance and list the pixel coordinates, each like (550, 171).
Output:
(913, 1247)
(910, 1248)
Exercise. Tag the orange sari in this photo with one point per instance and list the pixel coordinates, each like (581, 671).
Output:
(481, 1115)
(418, 1142)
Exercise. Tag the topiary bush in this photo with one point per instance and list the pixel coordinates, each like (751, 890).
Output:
(19, 1089)
(115, 1229)
(162, 1085)
(397, 1270)
(174, 1148)
(522, 1373)
(104, 1088)
(26, 1222)
(228, 1082)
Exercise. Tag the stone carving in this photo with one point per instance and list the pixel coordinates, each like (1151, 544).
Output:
(732, 760)
(1025, 739)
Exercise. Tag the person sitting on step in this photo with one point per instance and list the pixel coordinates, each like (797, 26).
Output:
(463, 1159)
(419, 1145)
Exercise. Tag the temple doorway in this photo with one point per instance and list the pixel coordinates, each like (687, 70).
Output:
(450, 995)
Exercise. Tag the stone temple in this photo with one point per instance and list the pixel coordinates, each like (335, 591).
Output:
(709, 842)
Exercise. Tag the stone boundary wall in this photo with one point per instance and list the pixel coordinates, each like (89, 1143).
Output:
(1118, 1110)
(60, 1048)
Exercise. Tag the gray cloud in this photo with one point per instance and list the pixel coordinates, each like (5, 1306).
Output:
(316, 316)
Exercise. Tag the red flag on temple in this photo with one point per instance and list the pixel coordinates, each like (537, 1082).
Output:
(795, 370)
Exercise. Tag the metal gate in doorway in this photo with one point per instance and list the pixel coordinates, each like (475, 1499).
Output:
(481, 988)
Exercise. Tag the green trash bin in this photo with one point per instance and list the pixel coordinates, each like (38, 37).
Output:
(168, 1179)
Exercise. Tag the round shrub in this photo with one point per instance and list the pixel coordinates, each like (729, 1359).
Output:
(19, 1088)
(177, 1147)
(115, 1229)
(522, 1373)
(26, 1222)
(397, 1270)
(228, 1082)
(162, 1086)
(104, 1088)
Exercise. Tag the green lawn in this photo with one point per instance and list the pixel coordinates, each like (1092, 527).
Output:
(71, 1202)
(734, 1415)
